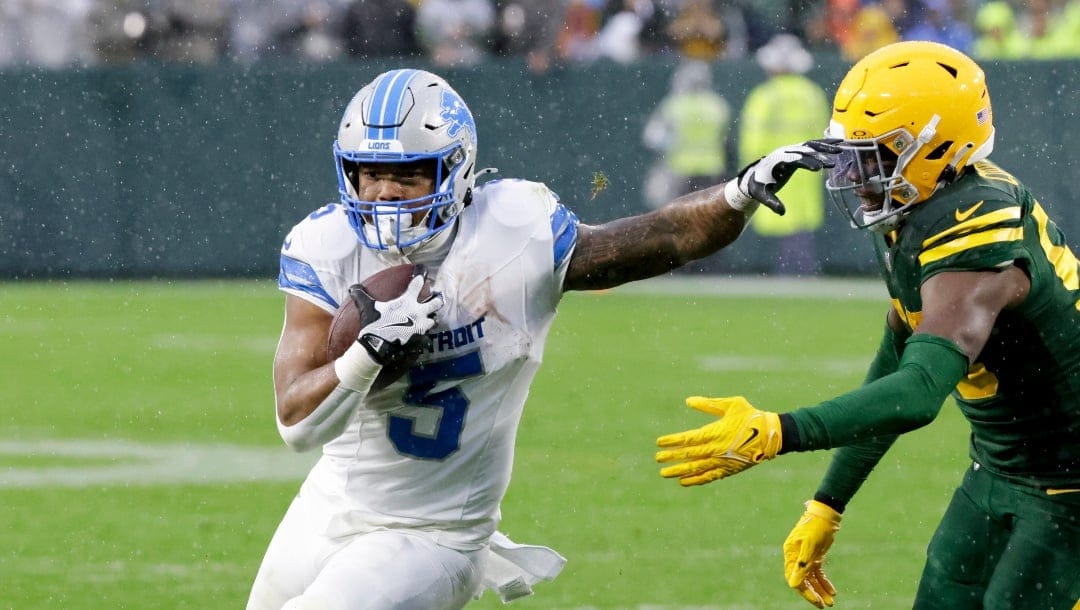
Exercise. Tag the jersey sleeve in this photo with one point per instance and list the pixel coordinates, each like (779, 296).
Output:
(564, 231)
(317, 256)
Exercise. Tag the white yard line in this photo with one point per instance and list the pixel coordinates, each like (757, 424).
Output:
(757, 364)
(132, 463)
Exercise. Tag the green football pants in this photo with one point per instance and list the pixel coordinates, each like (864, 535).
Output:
(1003, 546)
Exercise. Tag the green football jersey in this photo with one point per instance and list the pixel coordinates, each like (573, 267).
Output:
(1022, 394)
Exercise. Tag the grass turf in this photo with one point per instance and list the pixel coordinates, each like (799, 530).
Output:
(186, 365)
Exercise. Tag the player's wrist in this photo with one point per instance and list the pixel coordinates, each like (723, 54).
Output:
(356, 369)
(737, 199)
(789, 434)
(837, 504)
(823, 511)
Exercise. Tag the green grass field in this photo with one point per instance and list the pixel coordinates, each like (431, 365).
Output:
(140, 466)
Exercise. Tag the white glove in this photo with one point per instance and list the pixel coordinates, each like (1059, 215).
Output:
(760, 180)
(399, 325)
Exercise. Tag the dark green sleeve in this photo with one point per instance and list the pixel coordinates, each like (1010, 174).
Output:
(901, 401)
(887, 359)
(851, 465)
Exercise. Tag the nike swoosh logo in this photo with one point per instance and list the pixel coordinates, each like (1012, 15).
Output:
(408, 322)
(288, 244)
(1058, 492)
(962, 216)
(749, 439)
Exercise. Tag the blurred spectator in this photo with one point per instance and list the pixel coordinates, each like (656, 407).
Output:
(904, 14)
(1037, 26)
(787, 107)
(654, 38)
(997, 36)
(871, 30)
(619, 38)
(118, 30)
(182, 31)
(528, 28)
(380, 29)
(1067, 29)
(750, 24)
(188, 31)
(576, 41)
(689, 131)
(698, 31)
(940, 24)
(308, 29)
(455, 32)
(316, 36)
(251, 27)
(834, 25)
(1033, 25)
(48, 33)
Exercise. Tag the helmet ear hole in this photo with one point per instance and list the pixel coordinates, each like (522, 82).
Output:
(940, 151)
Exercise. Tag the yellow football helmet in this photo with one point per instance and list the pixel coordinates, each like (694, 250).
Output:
(911, 116)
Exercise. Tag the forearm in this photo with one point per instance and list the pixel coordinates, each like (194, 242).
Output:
(324, 423)
(299, 397)
(849, 469)
(904, 400)
(851, 465)
(887, 359)
(317, 408)
(644, 246)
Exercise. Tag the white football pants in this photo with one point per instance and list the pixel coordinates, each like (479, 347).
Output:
(380, 570)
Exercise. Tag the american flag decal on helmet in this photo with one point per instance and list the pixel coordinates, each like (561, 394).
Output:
(983, 115)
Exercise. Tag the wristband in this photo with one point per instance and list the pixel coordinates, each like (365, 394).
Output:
(356, 369)
(738, 200)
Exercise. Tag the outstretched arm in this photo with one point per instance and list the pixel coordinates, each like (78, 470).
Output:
(690, 227)
(639, 247)
(959, 311)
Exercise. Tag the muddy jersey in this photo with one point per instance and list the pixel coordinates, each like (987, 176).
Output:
(1022, 394)
(434, 450)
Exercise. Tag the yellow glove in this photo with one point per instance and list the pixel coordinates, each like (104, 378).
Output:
(741, 438)
(804, 553)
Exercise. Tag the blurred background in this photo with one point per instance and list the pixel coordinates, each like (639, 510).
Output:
(182, 138)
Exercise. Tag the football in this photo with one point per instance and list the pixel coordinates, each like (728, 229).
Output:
(384, 285)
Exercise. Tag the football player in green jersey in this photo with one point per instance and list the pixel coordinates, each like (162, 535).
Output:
(985, 306)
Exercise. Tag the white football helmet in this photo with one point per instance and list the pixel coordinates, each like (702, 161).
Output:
(406, 116)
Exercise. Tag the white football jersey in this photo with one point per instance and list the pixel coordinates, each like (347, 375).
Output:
(434, 450)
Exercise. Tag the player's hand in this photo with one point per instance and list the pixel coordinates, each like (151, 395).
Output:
(763, 178)
(741, 438)
(397, 326)
(804, 553)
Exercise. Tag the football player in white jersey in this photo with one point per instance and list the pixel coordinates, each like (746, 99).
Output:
(402, 509)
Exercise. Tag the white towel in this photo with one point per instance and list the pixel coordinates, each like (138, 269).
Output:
(512, 569)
